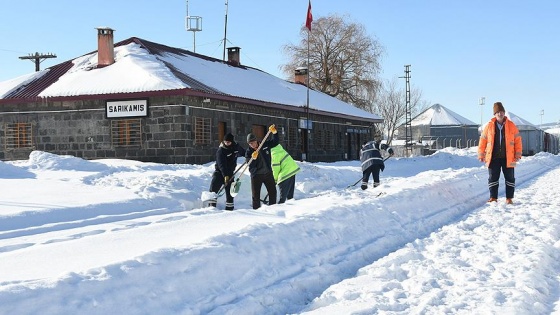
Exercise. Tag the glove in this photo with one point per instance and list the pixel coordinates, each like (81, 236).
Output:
(226, 179)
(272, 129)
(255, 155)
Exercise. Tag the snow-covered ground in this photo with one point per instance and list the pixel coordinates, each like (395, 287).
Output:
(125, 237)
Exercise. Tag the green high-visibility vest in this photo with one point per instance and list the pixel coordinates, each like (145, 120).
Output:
(283, 165)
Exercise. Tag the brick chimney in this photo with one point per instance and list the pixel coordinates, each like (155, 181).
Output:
(233, 55)
(105, 47)
(300, 75)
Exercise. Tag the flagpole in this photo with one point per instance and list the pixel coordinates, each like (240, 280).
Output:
(308, 21)
(307, 104)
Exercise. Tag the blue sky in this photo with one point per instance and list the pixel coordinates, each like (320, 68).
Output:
(459, 51)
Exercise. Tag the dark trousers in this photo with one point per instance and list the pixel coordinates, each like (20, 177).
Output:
(372, 170)
(496, 166)
(286, 188)
(257, 181)
(217, 183)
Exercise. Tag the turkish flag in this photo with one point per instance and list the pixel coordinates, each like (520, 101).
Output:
(309, 17)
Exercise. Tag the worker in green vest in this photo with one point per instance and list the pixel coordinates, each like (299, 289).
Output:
(284, 169)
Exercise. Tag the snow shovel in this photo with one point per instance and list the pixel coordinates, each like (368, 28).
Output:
(210, 198)
(234, 189)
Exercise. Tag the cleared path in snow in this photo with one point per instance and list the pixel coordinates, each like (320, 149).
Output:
(470, 267)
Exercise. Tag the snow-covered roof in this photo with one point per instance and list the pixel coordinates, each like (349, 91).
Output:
(143, 66)
(554, 131)
(520, 122)
(11, 86)
(439, 115)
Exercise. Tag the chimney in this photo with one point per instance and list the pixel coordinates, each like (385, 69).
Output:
(105, 47)
(233, 56)
(300, 75)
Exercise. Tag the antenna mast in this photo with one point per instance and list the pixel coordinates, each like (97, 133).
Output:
(225, 33)
(193, 24)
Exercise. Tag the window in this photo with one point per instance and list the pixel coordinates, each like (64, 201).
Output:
(19, 136)
(202, 127)
(126, 132)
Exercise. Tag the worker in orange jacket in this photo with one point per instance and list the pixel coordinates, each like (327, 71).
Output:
(500, 148)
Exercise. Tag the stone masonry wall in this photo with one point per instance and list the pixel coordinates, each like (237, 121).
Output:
(81, 128)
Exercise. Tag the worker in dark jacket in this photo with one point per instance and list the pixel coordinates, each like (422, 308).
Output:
(261, 168)
(372, 161)
(226, 162)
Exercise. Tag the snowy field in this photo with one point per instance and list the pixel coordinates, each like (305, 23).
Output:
(125, 237)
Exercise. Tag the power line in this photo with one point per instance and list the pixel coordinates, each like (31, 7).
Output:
(12, 51)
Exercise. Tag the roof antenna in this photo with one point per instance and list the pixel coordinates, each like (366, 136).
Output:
(193, 24)
(225, 33)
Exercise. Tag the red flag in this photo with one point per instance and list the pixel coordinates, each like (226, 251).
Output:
(309, 17)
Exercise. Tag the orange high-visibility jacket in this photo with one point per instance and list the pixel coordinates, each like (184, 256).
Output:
(512, 138)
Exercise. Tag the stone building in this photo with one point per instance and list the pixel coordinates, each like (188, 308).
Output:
(145, 101)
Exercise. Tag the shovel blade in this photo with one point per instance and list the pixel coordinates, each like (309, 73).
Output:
(234, 189)
(209, 199)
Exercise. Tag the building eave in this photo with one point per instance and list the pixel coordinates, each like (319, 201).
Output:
(186, 92)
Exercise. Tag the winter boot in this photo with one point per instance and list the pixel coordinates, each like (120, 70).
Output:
(364, 185)
(492, 199)
(376, 184)
(509, 201)
(229, 206)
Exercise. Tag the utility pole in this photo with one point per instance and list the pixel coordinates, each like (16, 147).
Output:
(542, 113)
(408, 115)
(38, 58)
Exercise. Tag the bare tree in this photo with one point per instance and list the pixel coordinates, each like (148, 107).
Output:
(343, 61)
(390, 104)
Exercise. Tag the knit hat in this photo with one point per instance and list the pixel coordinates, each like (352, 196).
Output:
(228, 137)
(251, 137)
(498, 107)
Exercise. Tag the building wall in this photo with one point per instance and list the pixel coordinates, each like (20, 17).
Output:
(444, 136)
(532, 141)
(169, 133)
